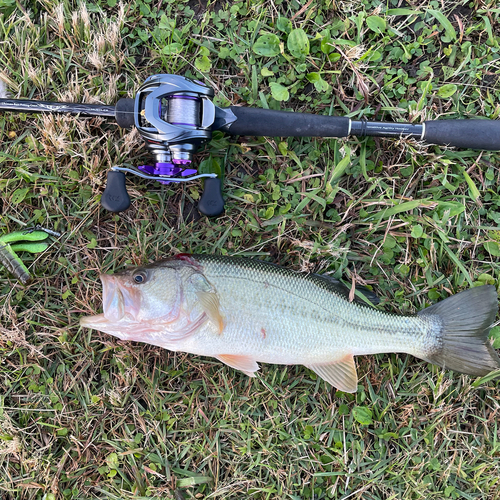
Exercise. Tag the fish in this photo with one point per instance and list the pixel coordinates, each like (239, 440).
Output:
(245, 311)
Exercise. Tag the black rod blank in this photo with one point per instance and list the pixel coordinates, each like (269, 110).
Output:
(28, 106)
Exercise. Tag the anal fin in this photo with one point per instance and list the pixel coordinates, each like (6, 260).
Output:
(246, 364)
(341, 374)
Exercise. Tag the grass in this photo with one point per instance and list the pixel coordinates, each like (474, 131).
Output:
(83, 415)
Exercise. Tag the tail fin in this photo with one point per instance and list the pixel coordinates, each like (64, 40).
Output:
(466, 320)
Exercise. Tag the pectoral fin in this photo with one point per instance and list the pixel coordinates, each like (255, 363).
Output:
(246, 364)
(341, 374)
(210, 303)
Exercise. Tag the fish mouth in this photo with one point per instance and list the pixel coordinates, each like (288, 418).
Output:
(119, 302)
(112, 298)
(96, 322)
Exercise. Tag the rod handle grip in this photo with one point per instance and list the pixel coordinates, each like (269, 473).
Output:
(124, 113)
(271, 123)
(115, 197)
(465, 133)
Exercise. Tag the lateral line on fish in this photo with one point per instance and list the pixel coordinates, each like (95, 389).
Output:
(328, 311)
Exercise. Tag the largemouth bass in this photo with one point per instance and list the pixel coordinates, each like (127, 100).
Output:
(244, 311)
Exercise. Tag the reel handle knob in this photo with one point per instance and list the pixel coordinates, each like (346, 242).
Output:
(115, 197)
(211, 202)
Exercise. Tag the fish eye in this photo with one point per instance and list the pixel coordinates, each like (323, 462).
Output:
(140, 277)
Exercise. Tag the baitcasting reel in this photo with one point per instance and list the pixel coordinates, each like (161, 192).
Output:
(175, 116)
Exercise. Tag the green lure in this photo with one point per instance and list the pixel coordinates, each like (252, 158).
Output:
(21, 241)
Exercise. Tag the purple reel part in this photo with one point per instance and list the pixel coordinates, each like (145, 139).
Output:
(186, 171)
(169, 170)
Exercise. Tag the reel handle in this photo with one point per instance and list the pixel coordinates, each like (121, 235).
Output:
(211, 202)
(115, 197)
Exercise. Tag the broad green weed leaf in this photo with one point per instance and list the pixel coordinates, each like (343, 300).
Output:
(376, 23)
(486, 279)
(441, 18)
(284, 24)
(448, 491)
(19, 195)
(349, 43)
(279, 92)
(313, 77)
(389, 242)
(452, 207)
(92, 244)
(298, 43)
(417, 231)
(112, 460)
(447, 90)
(172, 48)
(319, 84)
(308, 431)
(362, 415)
(211, 166)
(343, 409)
(322, 86)
(269, 213)
(489, 30)
(165, 23)
(203, 63)
(266, 72)
(143, 35)
(492, 248)
(372, 56)
(495, 335)
(327, 45)
(267, 45)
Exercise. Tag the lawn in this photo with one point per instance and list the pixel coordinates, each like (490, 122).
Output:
(83, 415)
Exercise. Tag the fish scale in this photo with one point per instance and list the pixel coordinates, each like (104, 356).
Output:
(243, 311)
(300, 311)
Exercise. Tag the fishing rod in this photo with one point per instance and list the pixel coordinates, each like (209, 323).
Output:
(175, 116)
